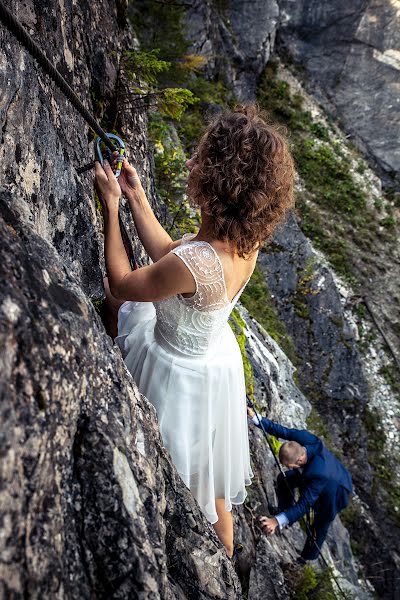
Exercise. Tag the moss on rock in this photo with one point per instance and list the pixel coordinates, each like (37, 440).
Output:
(237, 325)
(334, 208)
(258, 301)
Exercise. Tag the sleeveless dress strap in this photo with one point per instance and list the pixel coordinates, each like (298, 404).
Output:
(208, 274)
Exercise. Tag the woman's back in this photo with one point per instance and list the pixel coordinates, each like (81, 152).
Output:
(184, 357)
(192, 324)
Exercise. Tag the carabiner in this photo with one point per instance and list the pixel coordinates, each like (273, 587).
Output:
(107, 153)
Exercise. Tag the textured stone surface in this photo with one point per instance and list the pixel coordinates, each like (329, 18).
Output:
(309, 303)
(237, 37)
(91, 505)
(44, 139)
(352, 51)
(331, 373)
(264, 565)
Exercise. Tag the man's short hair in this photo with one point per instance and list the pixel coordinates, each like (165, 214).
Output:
(290, 452)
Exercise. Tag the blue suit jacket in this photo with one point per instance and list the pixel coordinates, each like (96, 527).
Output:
(326, 483)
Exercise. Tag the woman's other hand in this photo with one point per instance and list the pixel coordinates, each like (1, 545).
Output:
(128, 179)
(107, 186)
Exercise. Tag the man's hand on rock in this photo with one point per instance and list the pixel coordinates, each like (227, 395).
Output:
(250, 412)
(268, 525)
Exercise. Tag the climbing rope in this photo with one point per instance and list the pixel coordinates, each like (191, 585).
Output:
(29, 43)
(307, 524)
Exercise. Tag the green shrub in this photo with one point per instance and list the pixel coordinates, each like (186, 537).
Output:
(310, 585)
(171, 177)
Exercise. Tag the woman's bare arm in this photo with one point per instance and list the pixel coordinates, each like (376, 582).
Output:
(167, 277)
(156, 241)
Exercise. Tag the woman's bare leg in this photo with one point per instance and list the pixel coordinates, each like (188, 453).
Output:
(111, 311)
(224, 526)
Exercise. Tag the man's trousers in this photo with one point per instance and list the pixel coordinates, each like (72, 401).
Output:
(318, 529)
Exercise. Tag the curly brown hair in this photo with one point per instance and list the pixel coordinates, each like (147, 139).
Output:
(243, 177)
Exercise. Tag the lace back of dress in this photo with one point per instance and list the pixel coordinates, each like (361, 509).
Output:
(206, 268)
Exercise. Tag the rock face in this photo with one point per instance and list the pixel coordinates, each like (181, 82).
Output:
(351, 50)
(331, 373)
(45, 140)
(237, 38)
(310, 305)
(265, 563)
(306, 293)
(90, 502)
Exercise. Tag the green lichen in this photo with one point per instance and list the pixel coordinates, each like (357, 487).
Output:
(238, 325)
(98, 304)
(382, 482)
(328, 177)
(390, 373)
(389, 222)
(171, 177)
(351, 515)
(299, 298)
(317, 425)
(98, 205)
(275, 444)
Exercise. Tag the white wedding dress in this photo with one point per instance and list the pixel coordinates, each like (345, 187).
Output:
(185, 359)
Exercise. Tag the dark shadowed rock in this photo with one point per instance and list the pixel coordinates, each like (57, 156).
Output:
(91, 505)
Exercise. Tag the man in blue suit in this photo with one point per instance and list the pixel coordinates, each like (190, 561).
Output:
(323, 482)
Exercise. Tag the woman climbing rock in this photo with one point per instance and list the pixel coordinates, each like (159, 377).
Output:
(173, 326)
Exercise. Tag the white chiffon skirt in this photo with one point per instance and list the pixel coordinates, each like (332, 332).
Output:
(201, 407)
